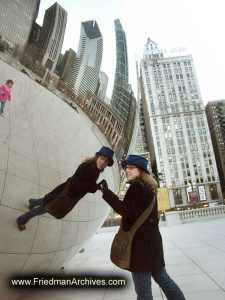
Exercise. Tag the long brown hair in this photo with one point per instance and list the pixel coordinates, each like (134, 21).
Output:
(144, 176)
(91, 160)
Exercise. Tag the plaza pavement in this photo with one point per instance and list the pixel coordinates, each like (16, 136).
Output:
(194, 255)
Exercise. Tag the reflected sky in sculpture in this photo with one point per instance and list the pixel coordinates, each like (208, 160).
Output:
(196, 25)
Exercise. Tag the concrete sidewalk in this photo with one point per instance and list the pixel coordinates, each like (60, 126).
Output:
(194, 255)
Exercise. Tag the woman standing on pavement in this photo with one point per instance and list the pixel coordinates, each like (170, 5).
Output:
(147, 259)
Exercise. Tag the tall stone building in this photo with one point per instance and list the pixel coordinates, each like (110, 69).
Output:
(177, 130)
(215, 112)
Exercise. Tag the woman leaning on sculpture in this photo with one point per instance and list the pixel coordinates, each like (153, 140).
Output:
(60, 201)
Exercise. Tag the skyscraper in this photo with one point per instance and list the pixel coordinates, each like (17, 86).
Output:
(85, 73)
(123, 100)
(215, 112)
(121, 89)
(178, 134)
(16, 19)
(52, 35)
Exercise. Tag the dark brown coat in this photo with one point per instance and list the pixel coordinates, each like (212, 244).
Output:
(60, 201)
(147, 249)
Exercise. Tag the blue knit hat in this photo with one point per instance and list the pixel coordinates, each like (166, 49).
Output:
(136, 160)
(107, 152)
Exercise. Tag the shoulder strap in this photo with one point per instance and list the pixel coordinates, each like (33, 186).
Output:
(143, 216)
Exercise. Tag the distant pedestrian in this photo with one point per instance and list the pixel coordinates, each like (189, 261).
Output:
(5, 94)
(64, 197)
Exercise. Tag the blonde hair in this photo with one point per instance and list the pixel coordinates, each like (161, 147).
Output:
(149, 180)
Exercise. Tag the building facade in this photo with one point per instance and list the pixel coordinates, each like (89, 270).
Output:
(102, 86)
(16, 19)
(121, 90)
(177, 131)
(106, 119)
(67, 64)
(52, 36)
(141, 141)
(34, 34)
(215, 112)
(85, 74)
(123, 100)
(59, 63)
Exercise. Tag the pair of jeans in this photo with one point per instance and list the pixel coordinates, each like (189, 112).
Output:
(143, 288)
(2, 107)
(36, 209)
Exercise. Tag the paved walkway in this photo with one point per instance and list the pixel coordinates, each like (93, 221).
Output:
(194, 255)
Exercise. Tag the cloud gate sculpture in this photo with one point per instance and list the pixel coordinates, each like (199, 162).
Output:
(42, 141)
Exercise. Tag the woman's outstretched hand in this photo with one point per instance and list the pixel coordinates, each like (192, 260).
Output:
(103, 186)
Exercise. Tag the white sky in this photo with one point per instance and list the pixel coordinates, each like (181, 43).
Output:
(197, 25)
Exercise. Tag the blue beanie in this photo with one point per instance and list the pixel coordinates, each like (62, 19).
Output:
(107, 152)
(137, 161)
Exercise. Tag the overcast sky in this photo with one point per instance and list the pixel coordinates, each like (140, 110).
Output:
(197, 25)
